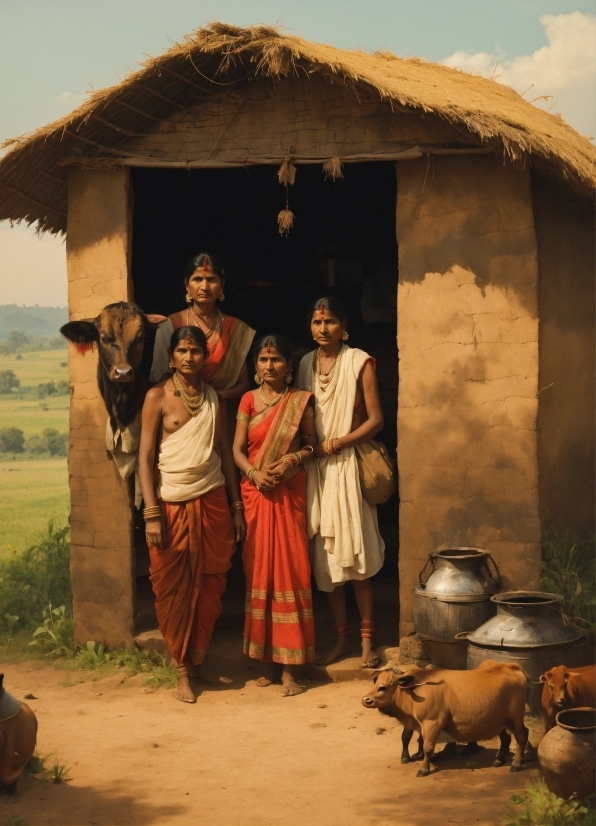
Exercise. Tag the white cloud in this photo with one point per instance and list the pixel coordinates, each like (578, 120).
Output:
(565, 69)
(32, 267)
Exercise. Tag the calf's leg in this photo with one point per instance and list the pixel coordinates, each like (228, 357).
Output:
(503, 752)
(430, 733)
(406, 736)
(520, 732)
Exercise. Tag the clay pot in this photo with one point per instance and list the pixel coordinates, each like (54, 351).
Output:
(566, 753)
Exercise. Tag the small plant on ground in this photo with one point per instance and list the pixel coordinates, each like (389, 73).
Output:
(57, 772)
(16, 820)
(55, 636)
(94, 656)
(567, 568)
(540, 807)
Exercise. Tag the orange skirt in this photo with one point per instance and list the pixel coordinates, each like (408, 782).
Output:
(279, 625)
(188, 576)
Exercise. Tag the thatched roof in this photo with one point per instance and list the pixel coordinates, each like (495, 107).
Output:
(220, 57)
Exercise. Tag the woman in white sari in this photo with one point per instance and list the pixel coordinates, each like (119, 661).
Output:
(346, 543)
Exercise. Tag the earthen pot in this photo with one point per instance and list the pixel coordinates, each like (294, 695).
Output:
(566, 753)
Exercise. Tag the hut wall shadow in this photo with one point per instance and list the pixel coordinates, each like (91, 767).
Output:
(468, 369)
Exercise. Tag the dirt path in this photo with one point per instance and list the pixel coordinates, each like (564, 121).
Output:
(242, 756)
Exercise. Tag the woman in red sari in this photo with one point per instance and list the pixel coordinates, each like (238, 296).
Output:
(228, 338)
(272, 422)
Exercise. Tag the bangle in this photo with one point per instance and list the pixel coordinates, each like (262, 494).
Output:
(308, 447)
(152, 512)
(336, 449)
(237, 506)
(250, 474)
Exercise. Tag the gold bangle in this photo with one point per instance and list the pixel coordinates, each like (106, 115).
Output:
(152, 512)
(335, 447)
(236, 506)
(250, 473)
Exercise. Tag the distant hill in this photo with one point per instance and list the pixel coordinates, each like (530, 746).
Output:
(34, 321)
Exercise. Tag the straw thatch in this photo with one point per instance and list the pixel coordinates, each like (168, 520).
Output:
(220, 57)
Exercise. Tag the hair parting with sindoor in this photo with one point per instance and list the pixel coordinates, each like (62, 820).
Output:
(331, 304)
(282, 344)
(183, 333)
(201, 260)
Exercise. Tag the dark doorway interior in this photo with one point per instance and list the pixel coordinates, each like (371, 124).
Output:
(343, 242)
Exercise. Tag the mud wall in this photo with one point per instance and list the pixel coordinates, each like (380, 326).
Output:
(566, 265)
(97, 254)
(468, 368)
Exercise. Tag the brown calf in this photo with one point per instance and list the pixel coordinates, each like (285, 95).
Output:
(119, 331)
(466, 705)
(567, 688)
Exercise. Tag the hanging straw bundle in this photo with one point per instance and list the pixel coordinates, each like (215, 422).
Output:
(285, 219)
(333, 168)
(286, 174)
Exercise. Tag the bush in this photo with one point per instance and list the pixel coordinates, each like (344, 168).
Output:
(12, 440)
(8, 382)
(36, 444)
(567, 569)
(48, 388)
(51, 441)
(539, 807)
(34, 579)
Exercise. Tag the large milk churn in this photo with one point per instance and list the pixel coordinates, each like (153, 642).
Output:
(455, 598)
(529, 629)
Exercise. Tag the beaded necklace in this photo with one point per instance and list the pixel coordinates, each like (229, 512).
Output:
(192, 403)
(324, 379)
(275, 400)
(215, 327)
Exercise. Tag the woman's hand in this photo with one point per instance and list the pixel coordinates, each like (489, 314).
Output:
(278, 468)
(264, 479)
(154, 532)
(239, 524)
(320, 452)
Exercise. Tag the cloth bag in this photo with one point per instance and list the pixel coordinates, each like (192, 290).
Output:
(375, 470)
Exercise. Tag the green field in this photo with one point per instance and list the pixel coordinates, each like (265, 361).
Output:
(31, 493)
(32, 490)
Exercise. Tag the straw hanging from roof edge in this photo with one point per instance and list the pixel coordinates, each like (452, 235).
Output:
(286, 174)
(285, 219)
(333, 168)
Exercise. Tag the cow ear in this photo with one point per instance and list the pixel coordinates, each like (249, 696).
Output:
(405, 681)
(81, 332)
(155, 319)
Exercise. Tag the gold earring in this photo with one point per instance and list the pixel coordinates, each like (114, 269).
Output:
(344, 336)
(289, 377)
(259, 379)
(221, 296)
(171, 365)
(188, 297)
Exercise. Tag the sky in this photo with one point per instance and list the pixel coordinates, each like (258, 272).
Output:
(53, 52)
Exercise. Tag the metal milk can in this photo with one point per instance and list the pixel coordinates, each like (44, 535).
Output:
(528, 629)
(453, 599)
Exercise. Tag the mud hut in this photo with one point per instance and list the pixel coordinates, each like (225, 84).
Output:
(462, 231)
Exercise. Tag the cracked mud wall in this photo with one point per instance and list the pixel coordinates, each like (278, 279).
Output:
(97, 252)
(566, 414)
(468, 366)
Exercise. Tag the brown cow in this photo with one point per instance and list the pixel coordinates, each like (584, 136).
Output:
(466, 705)
(18, 735)
(567, 688)
(119, 330)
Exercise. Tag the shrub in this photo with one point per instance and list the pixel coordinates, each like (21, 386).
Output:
(34, 579)
(8, 382)
(12, 440)
(57, 443)
(567, 569)
(36, 444)
(539, 807)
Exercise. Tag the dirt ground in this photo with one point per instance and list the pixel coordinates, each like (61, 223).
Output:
(242, 756)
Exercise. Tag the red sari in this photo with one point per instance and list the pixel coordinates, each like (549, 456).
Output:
(227, 353)
(279, 625)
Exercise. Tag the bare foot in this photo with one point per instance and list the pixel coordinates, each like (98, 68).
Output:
(340, 649)
(272, 676)
(184, 692)
(291, 687)
(370, 658)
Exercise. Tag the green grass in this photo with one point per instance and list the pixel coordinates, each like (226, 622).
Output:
(32, 416)
(31, 493)
(35, 368)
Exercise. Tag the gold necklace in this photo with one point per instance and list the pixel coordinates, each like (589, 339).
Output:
(275, 400)
(192, 403)
(215, 327)
(324, 379)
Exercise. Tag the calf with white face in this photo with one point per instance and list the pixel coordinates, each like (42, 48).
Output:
(466, 705)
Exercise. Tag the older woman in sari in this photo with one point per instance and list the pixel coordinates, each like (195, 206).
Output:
(190, 532)
(347, 545)
(272, 423)
(228, 338)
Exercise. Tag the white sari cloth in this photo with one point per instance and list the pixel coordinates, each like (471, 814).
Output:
(189, 465)
(346, 543)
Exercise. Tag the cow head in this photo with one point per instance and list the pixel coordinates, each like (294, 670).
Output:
(383, 690)
(556, 679)
(119, 331)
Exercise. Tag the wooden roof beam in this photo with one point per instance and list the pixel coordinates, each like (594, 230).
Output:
(113, 126)
(134, 109)
(159, 95)
(187, 80)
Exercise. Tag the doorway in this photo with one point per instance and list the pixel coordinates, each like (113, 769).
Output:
(343, 242)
